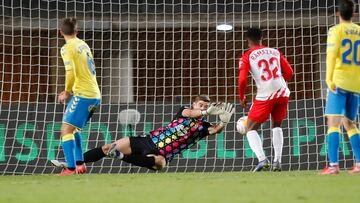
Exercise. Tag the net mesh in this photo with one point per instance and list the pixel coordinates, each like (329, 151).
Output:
(152, 57)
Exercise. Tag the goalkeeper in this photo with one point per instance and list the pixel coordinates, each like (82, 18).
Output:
(161, 145)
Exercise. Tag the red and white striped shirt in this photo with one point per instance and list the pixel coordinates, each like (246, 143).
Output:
(270, 70)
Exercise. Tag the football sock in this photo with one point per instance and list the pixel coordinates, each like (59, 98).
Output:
(140, 160)
(94, 155)
(333, 141)
(79, 157)
(354, 136)
(68, 144)
(278, 142)
(256, 144)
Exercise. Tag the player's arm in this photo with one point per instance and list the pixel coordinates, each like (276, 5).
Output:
(213, 109)
(67, 57)
(225, 117)
(332, 49)
(69, 80)
(192, 113)
(69, 75)
(244, 67)
(286, 70)
(214, 129)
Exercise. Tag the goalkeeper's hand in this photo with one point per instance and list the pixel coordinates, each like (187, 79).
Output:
(214, 109)
(225, 117)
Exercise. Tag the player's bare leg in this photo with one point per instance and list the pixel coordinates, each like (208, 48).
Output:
(353, 133)
(118, 148)
(278, 142)
(256, 145)
(333, 138)
(252, 125)
(160, 162)
(121, 149)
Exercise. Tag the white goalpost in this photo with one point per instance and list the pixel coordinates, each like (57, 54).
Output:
(152, 57)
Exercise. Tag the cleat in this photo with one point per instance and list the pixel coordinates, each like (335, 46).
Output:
(81, 168)
(62, 164)
(276, 166)
(330, 170)
(67, 172)
(59, 164)
(262, 165)
(114, 153)
(355, 169)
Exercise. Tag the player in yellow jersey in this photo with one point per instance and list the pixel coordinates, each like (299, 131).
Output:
(343, 81)
(81, 86)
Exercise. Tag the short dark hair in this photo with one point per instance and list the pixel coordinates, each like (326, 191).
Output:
(254, 34)
(69, 26)
(346, 9)
(202, 97)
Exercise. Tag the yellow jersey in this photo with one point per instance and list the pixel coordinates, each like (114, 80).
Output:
(343, 57)
(80, 69)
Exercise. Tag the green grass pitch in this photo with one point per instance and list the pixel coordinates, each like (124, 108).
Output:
(225, 187)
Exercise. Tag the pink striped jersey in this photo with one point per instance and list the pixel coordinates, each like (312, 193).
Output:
(269, 69)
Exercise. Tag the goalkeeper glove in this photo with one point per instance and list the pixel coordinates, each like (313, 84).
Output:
(225, 117)
(213, 109)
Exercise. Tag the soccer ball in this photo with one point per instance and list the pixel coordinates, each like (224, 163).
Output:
(241, 125)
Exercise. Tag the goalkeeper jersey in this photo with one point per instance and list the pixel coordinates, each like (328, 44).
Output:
(80, 68)
(180, 134)
(343, 56)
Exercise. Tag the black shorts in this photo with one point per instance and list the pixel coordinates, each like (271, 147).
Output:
(143, 146)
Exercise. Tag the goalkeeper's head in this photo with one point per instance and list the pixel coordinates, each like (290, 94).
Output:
(253, 37)
(346, 9)
(68, 27)
(201, 102)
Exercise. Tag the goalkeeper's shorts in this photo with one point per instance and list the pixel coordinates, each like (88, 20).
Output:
(79, 111)
(143, 146)
(342, 103)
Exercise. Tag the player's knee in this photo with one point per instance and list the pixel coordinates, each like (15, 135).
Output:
(67, 129)
(349, 125)
(276, 124)
(123, 145)
(334, 121)
(105, 148)
(160, 162)
(252, 125)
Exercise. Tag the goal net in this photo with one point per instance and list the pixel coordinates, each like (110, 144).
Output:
(152, 57)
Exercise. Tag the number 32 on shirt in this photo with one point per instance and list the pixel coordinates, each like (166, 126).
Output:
(270, 68)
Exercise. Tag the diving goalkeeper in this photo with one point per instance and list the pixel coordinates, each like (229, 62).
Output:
(160, 146)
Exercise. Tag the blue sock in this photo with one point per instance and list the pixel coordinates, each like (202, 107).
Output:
(79, 156)
(68, 144)
(354, 136)
(333, 140)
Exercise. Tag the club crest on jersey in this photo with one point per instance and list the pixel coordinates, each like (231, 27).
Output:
(180, 130)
